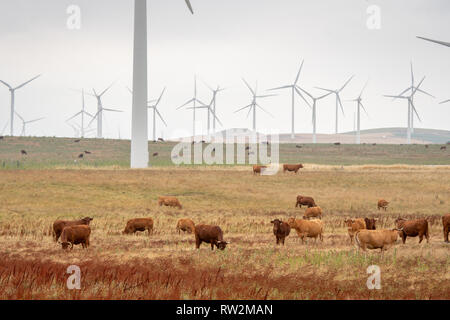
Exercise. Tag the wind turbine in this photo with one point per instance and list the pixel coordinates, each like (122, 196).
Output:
(410, 105)
(139, 120)
(82, 113)
(314, 111)
(294, 89)
(359, 105)
(210, 110)
(24, 123)
(435, 41)
(194, 107)
(411, 88)
(13, 93)
(445, 101)
(338, 100)
(252, 106)
(100, 109)
(212, 106)
(156, 112)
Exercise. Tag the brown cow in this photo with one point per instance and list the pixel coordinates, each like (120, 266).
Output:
(370, 223)
(169, 202)
(292, 167)
(139, 224)
(305, 201)
(446, 225)
(59, 225)
(78, 234)
(354, 226)
(281, 230)
(413, 228)
(376, 239)
(185, 225)
(209, 234)
(307, 228)
(313, 212)
(258, 169)
(382, 204)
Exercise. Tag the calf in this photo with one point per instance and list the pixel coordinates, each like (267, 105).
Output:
(307, 228)
(382, 204)
(305, 201)
(292, 167)
(376, 239)
(313, 212)
(353, 226)
(413, 228)
(78, 234)
(139, 224)
(209, 234)
(59, 225)
(370, 223)
(446, 225)
(258, 169)
(169, 202)
(281, 230)
(185, 225)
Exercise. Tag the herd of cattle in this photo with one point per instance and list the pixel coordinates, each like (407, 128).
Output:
(362, 230)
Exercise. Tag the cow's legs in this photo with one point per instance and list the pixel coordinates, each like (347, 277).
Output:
(212, 244)
(446, 233)
(198, 242)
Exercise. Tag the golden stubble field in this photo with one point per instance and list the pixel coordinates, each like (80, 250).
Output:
(166, 265)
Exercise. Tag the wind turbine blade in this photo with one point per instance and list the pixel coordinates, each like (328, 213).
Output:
(278, 88)
(248, 86)
(6, 84)
(77, 114)
(215, 116)
(412, 75)
(418, 86)
(415, 111)
(129, 90)
(192, 100)
(93, 118)
(267, 95)
(362, 106)
(265, 111)
(90, 115)
(25, 83)
(160, 116)
(248, 113)
(104, 91)
(298, 74)
(159, 99)
(396, 97)
(445, 101)
(188, 3)
(324, 96)
(300, 94)
(307, 93)
(436, 41)
(201, 102)
(345, 84)
(31, 121)
(404, 91)
(331, 91)
(340, 103)
(23, 120)
(428, 94)
(243, 108)
(207, 85)
(364, 88)
(113, 110)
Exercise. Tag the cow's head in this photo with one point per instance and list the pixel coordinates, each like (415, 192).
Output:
(65, 245)
(222, 245)
(128, 230)
(291, 222)
(370, 223)
(276, 224)
(399, 222)
(300, 165)
(349, 222)
(87, 220)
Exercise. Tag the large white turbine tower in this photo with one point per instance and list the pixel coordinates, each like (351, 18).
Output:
(294, 89)
(13, 95)
(314, 111)
(194, 107)
(139, 119)
(359, 105)
(410, 105)
(82, 113)
(252, 106)
(24, 123)
(338, 100)
(156, 112)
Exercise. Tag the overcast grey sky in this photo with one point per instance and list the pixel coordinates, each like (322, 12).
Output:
(225, 40)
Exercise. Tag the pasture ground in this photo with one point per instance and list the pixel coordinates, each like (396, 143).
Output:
(166, 265)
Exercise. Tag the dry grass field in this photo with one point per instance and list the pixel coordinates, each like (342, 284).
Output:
(166, 265)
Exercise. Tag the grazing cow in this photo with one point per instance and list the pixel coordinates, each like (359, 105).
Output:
(382, 204)
(305, 201)
(169, 202)
(281, 230)
(337, 143)
(2, 137)
(292, 167)
(209, 234)
(161, 139)
(87, 152)
(446, 225)
(185, 225)
(413, 228)
(155, 154)
(23, 152)
(75, 235)
(354, 226)
(78, 140)
(80, 155)
(298, 146)
(444, 148)
(307, 228)
(313, 212)
(59, 225)
(247, 148)
(426, 146)
(257, 169)
(376, 239)
(370, 223)
(139, 224)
